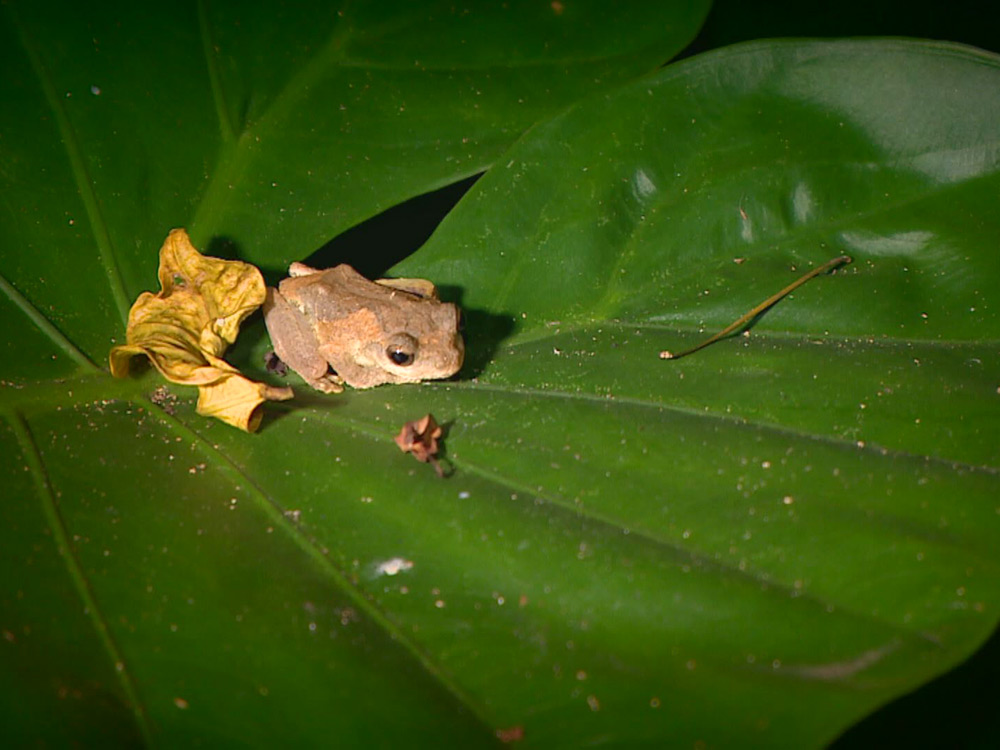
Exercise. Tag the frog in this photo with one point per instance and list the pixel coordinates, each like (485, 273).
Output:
(334, 326)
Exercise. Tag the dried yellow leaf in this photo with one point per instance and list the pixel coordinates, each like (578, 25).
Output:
(186, 328)
(235, 400)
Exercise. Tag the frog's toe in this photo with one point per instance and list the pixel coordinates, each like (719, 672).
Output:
(328, 383)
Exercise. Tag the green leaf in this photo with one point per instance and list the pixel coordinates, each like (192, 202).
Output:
(629, 549)
(142, 602)
(817, 502)
(267, 130)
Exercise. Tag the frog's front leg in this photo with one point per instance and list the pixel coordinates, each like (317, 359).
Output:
(295, 343)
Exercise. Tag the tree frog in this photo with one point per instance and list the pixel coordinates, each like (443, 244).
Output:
(367, 332)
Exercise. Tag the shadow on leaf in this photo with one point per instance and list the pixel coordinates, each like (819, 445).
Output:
(483, 331)
(375, 245)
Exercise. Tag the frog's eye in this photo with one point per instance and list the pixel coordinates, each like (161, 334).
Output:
(402, 350)
(400, 357)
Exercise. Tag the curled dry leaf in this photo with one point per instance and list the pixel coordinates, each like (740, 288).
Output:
(187, 326)
(420, 438)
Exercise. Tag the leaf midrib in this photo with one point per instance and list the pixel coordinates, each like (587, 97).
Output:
(277, 518)
(703, 560)
(730, 421)
(46, 327)
(590, 325)
(66, 551)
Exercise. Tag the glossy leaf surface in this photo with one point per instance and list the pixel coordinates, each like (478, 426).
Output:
(267, 130)
(827, 459)
(755, 545)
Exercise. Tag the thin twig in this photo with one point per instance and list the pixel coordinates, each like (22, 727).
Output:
(763, 307)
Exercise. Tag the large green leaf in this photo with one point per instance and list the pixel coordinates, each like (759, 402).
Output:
(831, 482)
(267, 127)
(728, 549)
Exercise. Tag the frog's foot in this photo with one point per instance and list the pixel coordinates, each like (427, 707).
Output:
(301, 269)
(329, 383)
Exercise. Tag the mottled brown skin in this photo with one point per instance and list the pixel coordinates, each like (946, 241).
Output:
(369, 333)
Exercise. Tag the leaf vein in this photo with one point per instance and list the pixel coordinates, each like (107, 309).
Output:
(78, 167)
(700, 559)
(46, 327)
(210, 51)
(540, 334)
(236, 153)
(737, 422)
(64, 547)
(318, 556)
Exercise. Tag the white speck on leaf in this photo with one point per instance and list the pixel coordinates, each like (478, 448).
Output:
(392, 566)
(643, 185)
